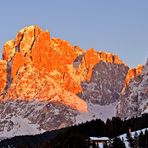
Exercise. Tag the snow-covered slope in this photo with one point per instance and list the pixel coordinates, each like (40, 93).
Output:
(21, 126)
(96, 111)
(29, 118)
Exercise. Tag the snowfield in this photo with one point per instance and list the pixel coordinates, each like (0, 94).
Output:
(21, 126)
(97, 112)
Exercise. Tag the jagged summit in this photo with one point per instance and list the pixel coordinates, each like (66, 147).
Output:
(32, 42)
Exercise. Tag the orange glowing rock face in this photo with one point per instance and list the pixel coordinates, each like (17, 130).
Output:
(117, 60)
(8, 50)
(41, 51)
(46, 69)
(18, 62)
(139, 70)
(109, 58)
(134, 72)
(91, 59)
(3, 75)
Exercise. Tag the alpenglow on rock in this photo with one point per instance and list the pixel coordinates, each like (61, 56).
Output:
(46, 83)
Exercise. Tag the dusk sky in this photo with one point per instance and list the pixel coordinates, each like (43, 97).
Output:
(116, 26)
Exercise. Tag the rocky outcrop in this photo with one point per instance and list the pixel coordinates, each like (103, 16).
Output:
(48, 116)
(134, 98)
(8, 50)
(105, 84)
(3, 75)
(132, 73)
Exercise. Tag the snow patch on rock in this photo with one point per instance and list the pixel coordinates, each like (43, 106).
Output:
(96, 111)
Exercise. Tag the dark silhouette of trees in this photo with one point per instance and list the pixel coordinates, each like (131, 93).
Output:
(77, 136)
(143, 140)
(118, 143)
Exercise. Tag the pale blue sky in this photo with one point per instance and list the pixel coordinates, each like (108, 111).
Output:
(117, 26)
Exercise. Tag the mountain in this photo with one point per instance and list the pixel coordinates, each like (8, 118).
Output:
(46, 83)
(133, 100)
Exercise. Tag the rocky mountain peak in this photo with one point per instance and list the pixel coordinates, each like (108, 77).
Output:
(54, 84)
(33, 50)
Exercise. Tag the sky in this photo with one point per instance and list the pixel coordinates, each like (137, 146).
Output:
(117, 26)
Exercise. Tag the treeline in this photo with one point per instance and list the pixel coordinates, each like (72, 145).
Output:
(75, 136)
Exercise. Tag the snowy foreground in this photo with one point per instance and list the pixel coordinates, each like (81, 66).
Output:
(132, 134)
(123, 137)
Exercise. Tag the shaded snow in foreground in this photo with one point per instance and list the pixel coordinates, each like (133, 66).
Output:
(132, 134)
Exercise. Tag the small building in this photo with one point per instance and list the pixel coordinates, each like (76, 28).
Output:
(98, 142)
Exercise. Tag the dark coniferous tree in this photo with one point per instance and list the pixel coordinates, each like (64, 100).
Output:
(130, 140)
(118, 143)
(141, 139)
(109, 128)
(146, 137)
